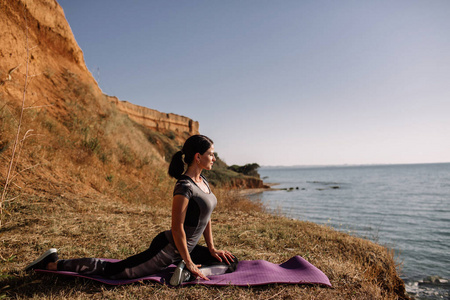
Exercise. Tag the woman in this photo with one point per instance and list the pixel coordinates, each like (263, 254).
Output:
(193, 203)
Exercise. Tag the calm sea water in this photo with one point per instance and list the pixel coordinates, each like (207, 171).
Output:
(405, 207)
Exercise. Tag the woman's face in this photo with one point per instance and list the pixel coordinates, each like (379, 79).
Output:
(207, 159)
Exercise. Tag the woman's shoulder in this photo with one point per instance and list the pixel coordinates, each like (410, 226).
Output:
(183, 186)
(184, 179)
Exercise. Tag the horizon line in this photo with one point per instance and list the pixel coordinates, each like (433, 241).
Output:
(349, 165)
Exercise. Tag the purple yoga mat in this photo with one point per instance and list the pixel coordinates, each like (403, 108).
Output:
(249, 272)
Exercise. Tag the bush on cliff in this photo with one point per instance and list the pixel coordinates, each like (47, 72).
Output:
(234, 176)
(248, 169)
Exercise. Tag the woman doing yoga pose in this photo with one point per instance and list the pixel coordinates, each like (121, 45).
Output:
(193, 203)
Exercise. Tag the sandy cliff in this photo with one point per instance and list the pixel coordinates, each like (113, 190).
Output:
(54, 55)
(40, 27)
(61, 87)
(49, 34)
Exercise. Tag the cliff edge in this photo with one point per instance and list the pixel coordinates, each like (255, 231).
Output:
(54, 59)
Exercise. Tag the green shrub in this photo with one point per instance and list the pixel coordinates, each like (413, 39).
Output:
(3, 145)
(171, 135)
(109, 178)
(92, 144)
(248, 169)
(127, 156)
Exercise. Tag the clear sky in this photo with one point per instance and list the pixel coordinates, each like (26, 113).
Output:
(284, 82)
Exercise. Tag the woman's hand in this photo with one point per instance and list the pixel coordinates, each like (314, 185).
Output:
(195, 271)
(222, 255)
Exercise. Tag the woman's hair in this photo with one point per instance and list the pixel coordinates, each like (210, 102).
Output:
(193, 145)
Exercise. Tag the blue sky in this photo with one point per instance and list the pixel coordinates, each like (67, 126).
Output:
(282, 82)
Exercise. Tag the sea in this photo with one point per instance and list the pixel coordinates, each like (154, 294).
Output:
(403, 207)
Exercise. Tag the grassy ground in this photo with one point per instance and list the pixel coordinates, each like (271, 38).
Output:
(93, 184)
(84, 224)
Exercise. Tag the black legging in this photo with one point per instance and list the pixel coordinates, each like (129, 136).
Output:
(158, 256)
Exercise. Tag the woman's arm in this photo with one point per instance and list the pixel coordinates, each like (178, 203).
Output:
(218, 254)
(207, 234)
(179, 208)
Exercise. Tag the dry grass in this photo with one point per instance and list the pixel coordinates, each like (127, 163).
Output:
(96, 226)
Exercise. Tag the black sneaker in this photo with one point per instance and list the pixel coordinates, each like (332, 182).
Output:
(42, 261)
(180, 275)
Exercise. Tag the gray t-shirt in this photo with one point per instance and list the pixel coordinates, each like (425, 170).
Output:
(199, 210)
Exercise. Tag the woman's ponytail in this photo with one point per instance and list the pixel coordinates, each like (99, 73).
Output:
(194, 144)
(176, 167)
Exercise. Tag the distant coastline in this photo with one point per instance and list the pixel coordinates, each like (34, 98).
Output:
(347, 165)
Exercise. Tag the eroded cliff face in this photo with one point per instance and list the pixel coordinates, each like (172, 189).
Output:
(49, 34)
(55, 61)
(41, 28)
(65, 97)
(156, 120)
